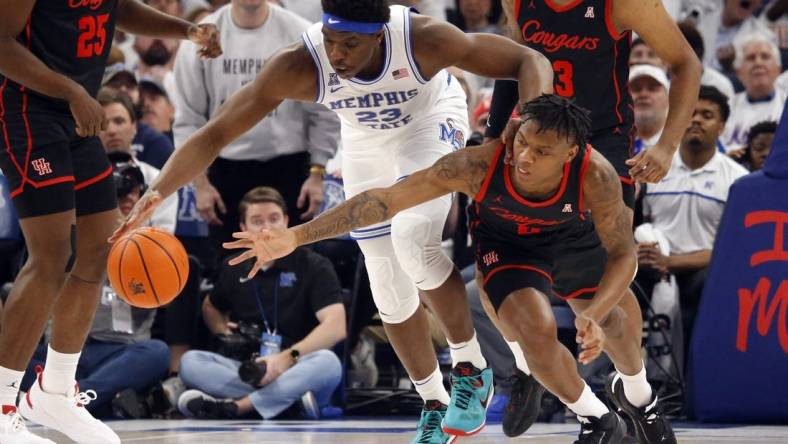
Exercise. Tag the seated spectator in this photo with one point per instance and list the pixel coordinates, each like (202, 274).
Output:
(720, 23)
(155, 106)
(150, 146)
(759, 143)
(295, 302)
(119, 353)
(118, 136)
(477, 16)
(757, 66)
(643, 54)
(687, 204)
(649, 87)
(710, 76)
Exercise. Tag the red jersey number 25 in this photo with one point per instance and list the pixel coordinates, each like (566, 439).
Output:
(93, 37)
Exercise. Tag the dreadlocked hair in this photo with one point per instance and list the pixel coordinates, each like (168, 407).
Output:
(365, 11)
(562, 115)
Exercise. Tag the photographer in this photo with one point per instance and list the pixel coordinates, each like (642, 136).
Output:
(119, 353)
(291, 313)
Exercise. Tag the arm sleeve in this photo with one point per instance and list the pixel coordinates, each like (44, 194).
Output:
(505, 96)
(191, 95)
(322, 133)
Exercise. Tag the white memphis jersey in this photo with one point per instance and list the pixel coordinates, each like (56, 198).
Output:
(398, 96)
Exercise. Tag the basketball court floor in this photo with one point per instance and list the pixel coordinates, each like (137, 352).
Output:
(390, 431)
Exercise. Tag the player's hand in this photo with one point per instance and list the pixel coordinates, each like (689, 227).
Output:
(652, 164)
(206, 36)
(208, 201)
(275, 365)
(737, 154)
(88, 114)
(141, 212)
(507, 138)
(311, 190)
(264, 246)
(591, 338)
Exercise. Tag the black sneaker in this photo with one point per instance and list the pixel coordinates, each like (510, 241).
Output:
(609, 429)
(522, 408)
(196, 404)
(649, 422)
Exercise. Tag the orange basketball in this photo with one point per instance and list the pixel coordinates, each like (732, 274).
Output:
(148, 267)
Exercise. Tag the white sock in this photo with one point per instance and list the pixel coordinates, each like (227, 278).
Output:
(431, 387)
(59, 371)
(519, 357)
(9, 385)
(636, 388)
(588, 404)
(468, 351)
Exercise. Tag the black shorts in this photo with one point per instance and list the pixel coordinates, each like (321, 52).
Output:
(50, 169)
(616, 145)
(569, 268)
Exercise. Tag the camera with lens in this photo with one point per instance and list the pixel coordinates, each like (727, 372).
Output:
(242, 343)
(126, 174)
(251, 371)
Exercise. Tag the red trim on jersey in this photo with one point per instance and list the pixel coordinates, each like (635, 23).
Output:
(43, 183)
(517, 267)
(29, 148)
(93, 179)
(577, 293)
(611, 27)
(616, 85)
(512, 192)
(562, 8)
(8, 141)
(583, 170)
(517, 8)
(627, 180)
(490, 172)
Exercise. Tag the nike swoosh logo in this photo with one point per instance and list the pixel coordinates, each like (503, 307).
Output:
(333, 90)
(332, 21)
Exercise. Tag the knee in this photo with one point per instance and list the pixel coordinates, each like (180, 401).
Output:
(329, 364)
(536, 329)
(159, 354)
(190, 367)
(395, 299)
(417, 244)
(51, 261)
(91, 260)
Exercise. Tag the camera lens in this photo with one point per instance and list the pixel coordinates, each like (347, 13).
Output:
(252, 372)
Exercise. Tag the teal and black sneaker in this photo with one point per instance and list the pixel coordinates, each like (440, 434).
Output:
(471, 391)
(429, 430)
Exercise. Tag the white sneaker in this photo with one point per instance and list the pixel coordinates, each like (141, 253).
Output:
(14, 431)
(66, 414)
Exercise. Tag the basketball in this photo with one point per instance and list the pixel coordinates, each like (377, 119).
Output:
(148, 268)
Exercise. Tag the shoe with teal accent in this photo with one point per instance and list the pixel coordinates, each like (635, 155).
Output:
(471, 391)
(429, 430)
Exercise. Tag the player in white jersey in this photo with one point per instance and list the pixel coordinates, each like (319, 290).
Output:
(381, 69)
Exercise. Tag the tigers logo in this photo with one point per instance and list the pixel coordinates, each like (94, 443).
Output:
(92, 4)
(450, 134)
(136, 287)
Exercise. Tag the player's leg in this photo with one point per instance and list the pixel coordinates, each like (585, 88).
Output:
(53, 401)
(395, 296)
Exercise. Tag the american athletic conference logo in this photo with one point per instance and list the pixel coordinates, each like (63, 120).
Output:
(450, 134)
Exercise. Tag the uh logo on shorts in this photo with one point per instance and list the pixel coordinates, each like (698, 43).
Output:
(452, 135)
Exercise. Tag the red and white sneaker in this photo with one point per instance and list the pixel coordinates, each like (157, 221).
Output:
(66, 413)
(14, 431)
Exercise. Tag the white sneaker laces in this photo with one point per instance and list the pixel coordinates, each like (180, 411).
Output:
(17, 424)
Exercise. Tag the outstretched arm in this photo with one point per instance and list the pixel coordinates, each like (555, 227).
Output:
(653, 24)
(236, 116)
(463, 171)
(438, 45)
(135, 17)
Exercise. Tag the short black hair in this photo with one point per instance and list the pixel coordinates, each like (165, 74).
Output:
(693, 37)
(714, 95)
(765, 127)
(365, 11)
(561, 115)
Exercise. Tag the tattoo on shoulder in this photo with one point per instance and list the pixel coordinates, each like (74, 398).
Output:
(467, 167)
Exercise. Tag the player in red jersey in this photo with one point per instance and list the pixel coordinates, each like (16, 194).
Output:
(52, 58)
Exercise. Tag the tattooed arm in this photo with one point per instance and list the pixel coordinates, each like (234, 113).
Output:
(461, 171)
(602, 193)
